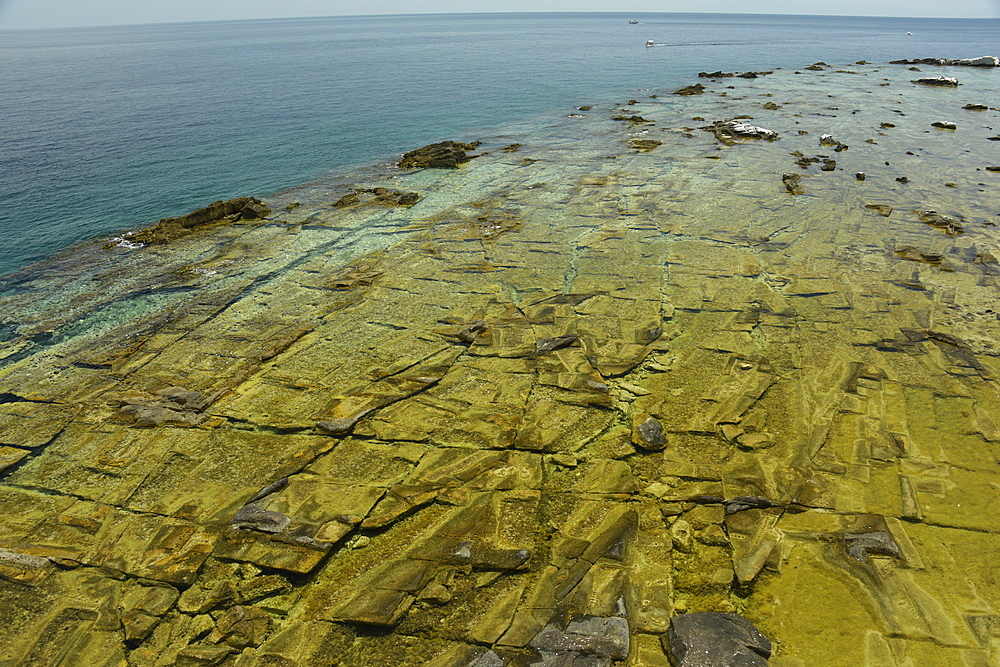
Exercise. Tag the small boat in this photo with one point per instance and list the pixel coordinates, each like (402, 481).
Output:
(909, 33)
(634, 22)
(650, 43)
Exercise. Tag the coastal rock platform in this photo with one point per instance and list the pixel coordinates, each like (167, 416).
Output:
(554, 400)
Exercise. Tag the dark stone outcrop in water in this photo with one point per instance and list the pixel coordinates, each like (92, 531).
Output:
(710, 639)
(696, 89)
(981, 61)
(442, 155)
(231, 210)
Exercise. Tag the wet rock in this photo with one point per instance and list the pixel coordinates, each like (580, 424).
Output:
(981, 61)
(902, 179)
(220, 212)
(696, 89)
(944, 125)
(273, 487)
(589, 641)
(728, 131)
(634, 119)
(817, 67)
(487, 557)
(975, 107)
(949, 224)
(442, 155)
(648, 435)
(862, 545)
(718, 74)
(993, 169)
(710, 639)
(939, 80)
(791, 183)
(887, 125)
(770, 106)
(829, 165)
(469, 333)
(252, 517)
(860, 176)
(743, 503)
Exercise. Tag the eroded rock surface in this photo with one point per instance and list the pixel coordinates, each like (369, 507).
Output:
(577, 393)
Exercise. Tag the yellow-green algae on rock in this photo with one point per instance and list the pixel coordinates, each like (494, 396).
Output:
(576, 386)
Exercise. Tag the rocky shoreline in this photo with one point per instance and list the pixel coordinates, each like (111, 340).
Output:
(706, 378)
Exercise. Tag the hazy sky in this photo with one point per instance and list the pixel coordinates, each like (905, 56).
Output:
(57, 13)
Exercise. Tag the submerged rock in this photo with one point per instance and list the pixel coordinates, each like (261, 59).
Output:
(791, 183)
(944, 125)
(710, 639)
(649, 435)
(591, 641)
(442, 155)
(696, 89)
(949, 224)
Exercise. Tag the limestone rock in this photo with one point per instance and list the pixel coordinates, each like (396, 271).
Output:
(939, 80)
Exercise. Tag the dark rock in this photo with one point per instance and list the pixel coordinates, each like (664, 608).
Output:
(944, 125)
(728, 131)
(442, 155)
(408, 199)
(992, 168)
(512, 148)
(486, 557)
(710, 639)
(860, 175)
(649, 435)
(350, 199)
(220, 212)
(770, 106)
(916, 255)
(340, 426)
(636, 119)
(975, 107)
(543, 345)
(743, 503)
(584, 108)
(719, 74)
(862, 545)
(252, 517)
(471, 332)
(887, 125)
(587, 641)
(829, 165)
(791, 182)
(696, 89)
(902, 179)
(273, 487)
(242, 627)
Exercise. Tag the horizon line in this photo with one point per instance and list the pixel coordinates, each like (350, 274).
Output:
(475, 13)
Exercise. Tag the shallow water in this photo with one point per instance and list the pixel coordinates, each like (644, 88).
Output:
(485, 359)
(108, 128)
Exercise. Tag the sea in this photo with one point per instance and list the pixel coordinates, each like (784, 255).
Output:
(106, 129)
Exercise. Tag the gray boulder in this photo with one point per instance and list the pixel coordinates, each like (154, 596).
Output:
(711, 639)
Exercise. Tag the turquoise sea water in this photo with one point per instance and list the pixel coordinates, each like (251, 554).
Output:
(103, 129)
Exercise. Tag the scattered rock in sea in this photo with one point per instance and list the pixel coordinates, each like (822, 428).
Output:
(770, 106)
(644, 145)
(512, 148)
(885, 125)
(719, 74)
(939, 80)
(860, 176)
(791, 183)
(377, 197)
(696, 89)
(949, 224)
(944, 125)
(729, 131)
(442, 155)
(975, 107)
(981, 61)
(711, 639)
(992, 168)
(828, 140)
(817, 67)
(829, 165)
(902, 179)
(635, 119)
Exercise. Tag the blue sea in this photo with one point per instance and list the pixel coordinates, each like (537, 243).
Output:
(104, 129)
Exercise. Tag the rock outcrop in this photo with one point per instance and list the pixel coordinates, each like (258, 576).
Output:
(220, 212)
(442, 155)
